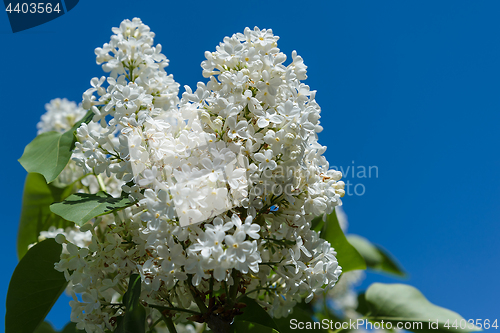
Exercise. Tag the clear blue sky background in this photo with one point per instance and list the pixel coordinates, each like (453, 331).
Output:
(409, 87)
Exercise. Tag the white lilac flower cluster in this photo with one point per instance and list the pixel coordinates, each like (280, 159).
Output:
(61, 115)
(73, 235)
(225, 181)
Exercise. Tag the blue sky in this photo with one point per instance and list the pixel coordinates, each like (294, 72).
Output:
(411, 88)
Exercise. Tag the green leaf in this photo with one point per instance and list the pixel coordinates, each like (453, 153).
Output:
(317, 223)
(134, 319)
(45, 327)
(34, 288)
(347, 256)
(402, 303)
(82, 207)
(131, 297)
(71, 328)
(60, 191)
(35, 212)
(49, 153)
(362, 304)
(253, 313)
(375, 256)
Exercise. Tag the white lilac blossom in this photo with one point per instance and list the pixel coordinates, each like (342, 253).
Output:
(61, 115)
(225, 181)
(72, 235)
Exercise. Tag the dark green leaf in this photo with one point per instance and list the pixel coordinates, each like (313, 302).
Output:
(348, 257)
(35, 214)
(317, 223)
(131, 297)
(34, 288)
(402, 303)
(134, 319)
(60, 192)
(45, 327)
(254, 313)
(49, 153)
(362, 304)
(375, 257)
(81, 207)
(71, 328)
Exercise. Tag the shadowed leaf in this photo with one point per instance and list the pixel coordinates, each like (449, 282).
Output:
(35, 212)
(34, 288)
(134, 319)
(82, 207)
(253, 314)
